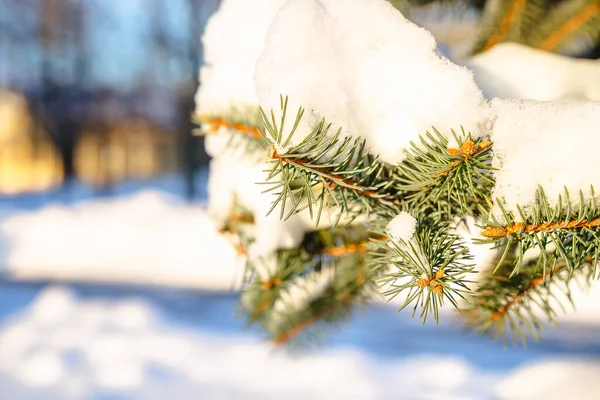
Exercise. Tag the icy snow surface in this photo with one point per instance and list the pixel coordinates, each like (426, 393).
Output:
(549, 144)
(384, 81)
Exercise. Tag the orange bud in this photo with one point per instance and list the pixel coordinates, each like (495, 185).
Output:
(454, 152)
(469, 148)
(423, 282)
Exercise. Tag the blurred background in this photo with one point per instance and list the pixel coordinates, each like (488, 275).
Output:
(98, 92)
(113, 282)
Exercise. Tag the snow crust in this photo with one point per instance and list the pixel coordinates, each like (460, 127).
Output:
(547, 144)
(384, 81)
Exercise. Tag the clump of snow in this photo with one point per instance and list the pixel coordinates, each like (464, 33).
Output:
(402, 227)
(547, 144)
(233, 41)
(384, 81)
(511, 70)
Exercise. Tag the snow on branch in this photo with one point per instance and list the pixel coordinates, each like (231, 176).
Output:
(394, 142)
(384, 82)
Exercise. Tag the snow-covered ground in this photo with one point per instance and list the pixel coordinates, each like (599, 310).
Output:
(131, 342)
(87, 342)
(147, 235)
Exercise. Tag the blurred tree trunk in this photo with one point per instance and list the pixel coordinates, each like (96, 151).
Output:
(63, 69)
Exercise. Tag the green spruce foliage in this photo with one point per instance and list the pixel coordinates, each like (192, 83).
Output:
(567, 27)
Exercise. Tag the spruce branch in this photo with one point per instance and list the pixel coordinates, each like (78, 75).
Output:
(509, 305)
(352, 284)
(320, 250)
(325, 169)
(500, 23)
(238, 227)
(261, 292)
(570, 230)
(568, 21)
(216, 123)
(445, 181)
(429, 269)
(540, 23)
(244, 127)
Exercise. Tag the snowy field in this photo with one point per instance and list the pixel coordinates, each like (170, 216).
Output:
(140, 234)
(98, 342)
(132, 341)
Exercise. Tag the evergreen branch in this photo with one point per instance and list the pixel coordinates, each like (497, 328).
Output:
(447, 181)
(237, 226)
(572, 230)
(325, 169)
(352, 286)
(261, 292)
(320, 249)
(216, 123)
(567, 21)
(501, 22)
(295, 330)
(429, 269)
(344, 250)
(534, 14)
(243, 126)
(506, 305)
(494, 232)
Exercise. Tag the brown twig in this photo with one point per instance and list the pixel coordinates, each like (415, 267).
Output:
(218, 123)
(502, 310)
(496, 232)
(559, 35)
(512, 13)
(326, 174)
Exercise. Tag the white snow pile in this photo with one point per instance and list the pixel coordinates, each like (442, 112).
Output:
(402, 227)
(149, 238)
(511, 70)
(553, 380)
(547, 144)
(67, 348)
(233, 41)
(384, 81)
(62, 347)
